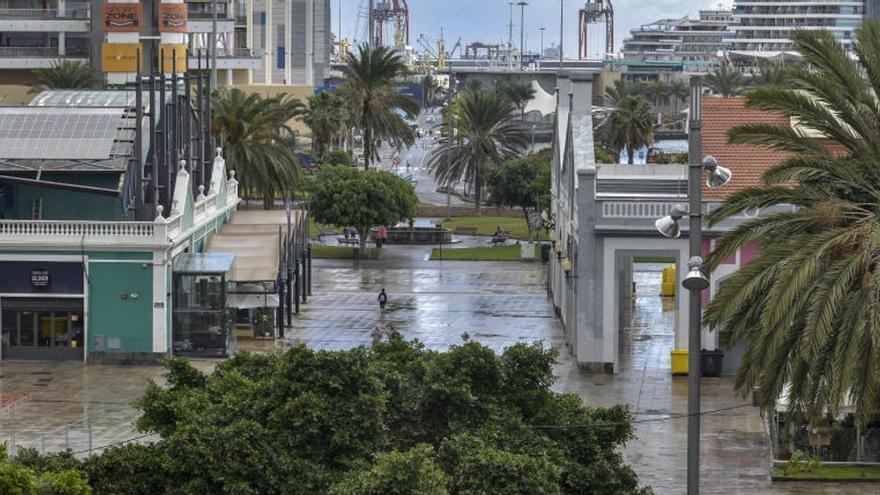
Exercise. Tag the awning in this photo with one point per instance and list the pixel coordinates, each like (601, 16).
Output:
(251, 301)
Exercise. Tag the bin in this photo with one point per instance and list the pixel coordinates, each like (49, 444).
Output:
(545, 252)
(667, 283)
(711, 362)
(679, 362)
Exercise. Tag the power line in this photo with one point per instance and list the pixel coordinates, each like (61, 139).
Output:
(113, 444)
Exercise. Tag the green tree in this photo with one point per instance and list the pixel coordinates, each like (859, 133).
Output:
(258, 140)
(678, 92)
(326, 118)
(631, 125)
(344, 196)
(521, 183)
(413, 472)
(770, 74)
(430, 89)
(375, 102)
(726, 81)
(16, 480)
(619, 90)
(68, 482)
(806, 307)
(484, 133)
(339, 157)
(67, 74)
(519, 93)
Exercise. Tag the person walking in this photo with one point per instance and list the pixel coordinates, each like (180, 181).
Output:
(383, 299)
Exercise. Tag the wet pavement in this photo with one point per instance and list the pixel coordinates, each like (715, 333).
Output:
(495, 303)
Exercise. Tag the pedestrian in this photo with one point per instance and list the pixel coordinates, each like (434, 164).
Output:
(376, 335)
(383, 299)
(392, 332)
(383, 236)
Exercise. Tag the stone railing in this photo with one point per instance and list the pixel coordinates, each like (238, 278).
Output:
(49, 232)
(637, 209)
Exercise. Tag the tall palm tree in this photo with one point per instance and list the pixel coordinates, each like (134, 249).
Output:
(66, 74)
(726, 81)
(430, 89)
(808, 307)
(618, 91)
(485, 132)
(258, 140)
(630, 126)
(326, 117)
(679, 92)
(375, 102)
(519, 93)
(770, 74)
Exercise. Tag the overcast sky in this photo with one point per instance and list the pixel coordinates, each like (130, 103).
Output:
(487, 20)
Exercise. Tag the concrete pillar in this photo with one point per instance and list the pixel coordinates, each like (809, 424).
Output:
(288, 42)
(310, 42)
(61, 36)
(161, 286)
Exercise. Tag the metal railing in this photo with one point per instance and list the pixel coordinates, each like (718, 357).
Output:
(41, 52)
(70, 11)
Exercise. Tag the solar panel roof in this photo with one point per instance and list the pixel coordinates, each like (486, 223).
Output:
(58, 133)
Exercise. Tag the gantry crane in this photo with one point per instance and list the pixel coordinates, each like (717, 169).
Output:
(594, 12)
(395, 12)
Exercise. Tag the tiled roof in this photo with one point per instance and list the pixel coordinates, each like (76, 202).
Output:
(747, 162)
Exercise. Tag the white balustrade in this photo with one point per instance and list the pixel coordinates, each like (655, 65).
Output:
(636, 209)
(80, 231)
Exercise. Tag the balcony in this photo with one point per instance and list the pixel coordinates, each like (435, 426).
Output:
(12, 57)
(72, 18)
(239, 58)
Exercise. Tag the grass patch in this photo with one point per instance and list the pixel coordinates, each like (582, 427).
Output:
(498, 253)
(653, 259)
(825, 472)
(515, 227)
(342, 252)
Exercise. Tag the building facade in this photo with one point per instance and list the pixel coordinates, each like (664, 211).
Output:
(288, 43)
(767, 26)
(694, 43)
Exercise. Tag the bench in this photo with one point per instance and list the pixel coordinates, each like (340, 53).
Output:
(499, 239)
(343, 241)
(466, 230)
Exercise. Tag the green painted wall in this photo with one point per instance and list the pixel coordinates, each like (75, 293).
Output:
(59, 204)
(111, 315)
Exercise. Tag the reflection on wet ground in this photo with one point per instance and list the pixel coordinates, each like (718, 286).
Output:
(496, 303)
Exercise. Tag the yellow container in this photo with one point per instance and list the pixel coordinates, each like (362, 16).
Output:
(679, 362)
(667, 283)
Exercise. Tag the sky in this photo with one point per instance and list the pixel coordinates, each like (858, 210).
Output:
(487, 20)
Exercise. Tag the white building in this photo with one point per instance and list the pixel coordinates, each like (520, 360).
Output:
(692, 42)
(767, 26)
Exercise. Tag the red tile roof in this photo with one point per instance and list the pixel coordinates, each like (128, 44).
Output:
(747, 162)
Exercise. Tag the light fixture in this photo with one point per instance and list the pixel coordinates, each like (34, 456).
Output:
(566, 265)
(718, 175)
(668, 225)
(695, 280)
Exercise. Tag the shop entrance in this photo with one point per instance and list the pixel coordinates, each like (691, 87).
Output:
(42, 328)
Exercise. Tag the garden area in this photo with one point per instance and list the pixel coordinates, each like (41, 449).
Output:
(489, 253)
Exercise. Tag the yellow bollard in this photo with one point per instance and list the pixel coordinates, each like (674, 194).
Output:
(667, 283)
(679, 362)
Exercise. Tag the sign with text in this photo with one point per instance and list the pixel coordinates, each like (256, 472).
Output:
(173, 56)
(120, 57)
(121, 17)
(172, 17)
(40, 277)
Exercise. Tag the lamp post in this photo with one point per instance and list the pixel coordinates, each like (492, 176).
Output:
(541, 54)
(522, 17)
(561, 29)
(695, 281)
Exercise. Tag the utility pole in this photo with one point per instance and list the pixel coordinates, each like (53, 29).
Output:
(561, 29)
(541, 55)
(522, 18)
(510, 37)
(371, 29)
(212, 85)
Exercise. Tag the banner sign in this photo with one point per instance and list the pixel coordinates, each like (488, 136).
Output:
(172, 17)
(167, 54)
(40, 277)
(119, 57)
(121, 17)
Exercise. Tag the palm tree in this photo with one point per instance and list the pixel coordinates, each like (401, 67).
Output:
(66, 74)
(770, 75)
(485, 133)
(726, 81)
(375, 102)
(630, 126)
(430, 89)
(326, 117)
(618, 91)
(808, 307)
(258, 141)
(519, 93)
(679, 92)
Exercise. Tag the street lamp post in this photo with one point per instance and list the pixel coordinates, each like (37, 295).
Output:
(522, 17)
(561, 29)
(541, 54)
(695, 281)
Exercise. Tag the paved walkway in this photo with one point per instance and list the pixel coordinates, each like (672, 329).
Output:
(496, 303)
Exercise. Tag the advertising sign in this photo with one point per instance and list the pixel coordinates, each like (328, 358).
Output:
(172, 17)
(119, 57)
(168, 52)
(40, 277)
(121, 17)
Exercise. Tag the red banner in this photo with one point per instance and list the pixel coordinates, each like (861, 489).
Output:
(121, 17)
(172, 17)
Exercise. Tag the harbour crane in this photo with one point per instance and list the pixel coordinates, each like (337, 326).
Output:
(594, 12)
